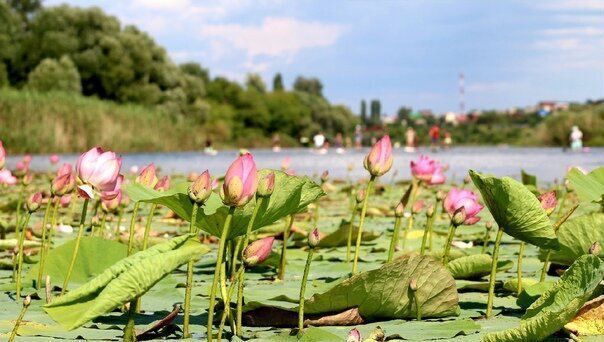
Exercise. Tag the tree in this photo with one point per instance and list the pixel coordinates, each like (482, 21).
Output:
(278, 82)
(363, 112)
(376, 112)
(25, 8)
(255, 82)
(51, 75)
(195, 69)
(311, 85)
(403, 114)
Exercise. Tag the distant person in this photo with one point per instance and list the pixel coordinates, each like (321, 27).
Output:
(576, 139)
(276, 143)
(338, 143)
(410, 140)
(434, 134)
(448, 140)
(209, 149)
(320, 143)
(358, 137)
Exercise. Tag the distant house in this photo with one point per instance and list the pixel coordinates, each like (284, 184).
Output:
(544, 108)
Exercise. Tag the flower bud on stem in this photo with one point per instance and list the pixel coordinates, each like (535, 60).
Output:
(13, 333)
(549, 252)
(357, 249)
(312, 242)
(489, 311)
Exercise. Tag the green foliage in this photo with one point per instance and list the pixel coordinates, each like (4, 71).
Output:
(278, 82)
(590, 187)
(125, 280)
(53, 75)
(557, 305)
(310, 85)
(555, 128)
(475, 266)
(516, 210)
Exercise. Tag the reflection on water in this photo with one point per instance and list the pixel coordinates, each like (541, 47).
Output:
(548, 163)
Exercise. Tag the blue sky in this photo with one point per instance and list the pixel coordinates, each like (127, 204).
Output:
(513, 53)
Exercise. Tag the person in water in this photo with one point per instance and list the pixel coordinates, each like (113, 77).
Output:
(410, 140)
(434, 134)
(576, 139)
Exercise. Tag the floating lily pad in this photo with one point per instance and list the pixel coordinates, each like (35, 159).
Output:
(475, 266)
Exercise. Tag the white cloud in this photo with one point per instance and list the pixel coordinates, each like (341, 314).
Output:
(573, 5)
(559, 44)
(575, 31)
(275, 37)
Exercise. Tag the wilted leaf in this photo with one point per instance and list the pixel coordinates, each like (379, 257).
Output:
(475, 266)
(589, 320)
(590, 187)
(516, 210)
(558, 305)
(125, 280)
(576, 236)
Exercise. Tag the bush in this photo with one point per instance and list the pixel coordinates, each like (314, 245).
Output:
(53, 75)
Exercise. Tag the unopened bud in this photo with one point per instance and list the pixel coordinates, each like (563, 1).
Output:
(413, 285)
(258, 251)
(63, 184)
(595, 249)
(361, 196)
(314, 238)
(27, 178)
(163, 184)
(266, 185)
(354, 335)
(33, 202)
(430, 210)
(27, 301)
(459, 216)
(440, 195)
(201, 188)
(147, 177)
(489, 225)
(399, 211)
(324, 176)
(417, 207)
(548, 201)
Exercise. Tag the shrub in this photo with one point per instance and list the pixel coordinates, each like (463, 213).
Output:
(53, 75)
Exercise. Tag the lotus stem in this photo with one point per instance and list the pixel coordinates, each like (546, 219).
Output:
(303, 289)
(427, 231)
(120, 214)
(129, 332)
(406, 232)
(519, 268)
(13, 333)
(48, 289)
(448, 244)
(17, 224)
(44, 223)
(223, 237)
(131, 230)
(394, 239)
(20, 253)
(489, 311)
(237, 277)
(485, 244)
(357, 249)
(224, 295)
(240, 275)
(103, 223)
(283, 261)
(189, 283)
(355, 207)
(53, 223)
(150, 219)
(76, 247)
(549, 251)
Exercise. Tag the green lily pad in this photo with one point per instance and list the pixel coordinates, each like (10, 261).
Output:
(475, 266)
(531, 293)
(589, 187)
(516, 210)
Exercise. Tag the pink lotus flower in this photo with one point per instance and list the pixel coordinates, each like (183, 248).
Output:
(65, 201)
(379, 159)
(111, 194)
(54, 159)
(65, 169)
(457, 198)
(33, 202)
(424, 168)
(258, 251)
(163, 184)
(148, 176)
(7, 178)
(240, 181)
(63, 184)
(438, 177)
(417, 206)
(111, 205)
(2, 156)
(27, 159)
(548, 201)
(285, 163)
(98, 171)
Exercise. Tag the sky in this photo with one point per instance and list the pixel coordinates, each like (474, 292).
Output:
(405, 53)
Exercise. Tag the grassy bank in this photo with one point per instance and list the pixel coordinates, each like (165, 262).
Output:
(57, 122)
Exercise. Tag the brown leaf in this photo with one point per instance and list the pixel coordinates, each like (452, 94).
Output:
(275, 317)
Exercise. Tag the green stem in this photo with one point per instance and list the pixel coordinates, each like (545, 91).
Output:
(283, 261)
(20, 255)
(53, 223)
(519, 269)
(76, 247)
(132, 226)
(120, 214)
(223, 237)
(13, 333)
(148, 225)
(241, 272)
(489, 312)
(350, 229)
(230, 291)
(448, 244)
(189, 283)
(44, 223)
(556, 227)
(427, 230)
(357, 249)
(394, 239)
(406, 231)
(302, 290)
(485, 244)
(224, 296)
(418, 307)
(129, 332)
(103, 222)
(545, 266)
(18, 225)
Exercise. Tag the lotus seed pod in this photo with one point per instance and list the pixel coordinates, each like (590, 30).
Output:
(440, 195)
(413, 285)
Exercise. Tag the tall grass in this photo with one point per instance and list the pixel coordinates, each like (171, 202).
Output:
(60, 122)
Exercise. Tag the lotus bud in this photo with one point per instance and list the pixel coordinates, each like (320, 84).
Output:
(430, 210)
(417, 207)
(27, 178)
(258, 251)
(399, 211)
(377, 335)
(379, 159)
(413, 285)
(33, 202)
(354, 335)
(148, 176)
(467, 179)
(2, 156)
(595, 249)
(65, 200)
(240, 182)
(192, 176)
(98, 170)
(54, 159)
(285, 163)
(489, 225)
(243, 151)
(163, 184)
(440, 195)
(65, 169)
(266, 185)
(63, 184)
(201, 188)
(459, 216)
(314, 238)
(325, 176)
(548, 201)
(361, 196)
(27, 301)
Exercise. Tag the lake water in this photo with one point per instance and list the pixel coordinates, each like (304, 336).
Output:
(548, 163)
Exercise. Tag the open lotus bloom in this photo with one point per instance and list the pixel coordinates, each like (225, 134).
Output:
(424, 168)
(98, 171)
(457, 198)
(438, 177)
(7, 178)
(240, 181)
(379, 159)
